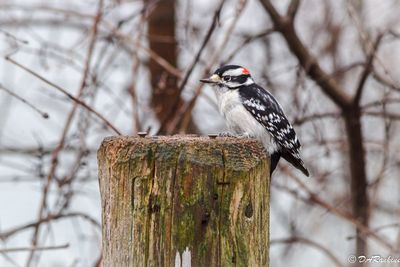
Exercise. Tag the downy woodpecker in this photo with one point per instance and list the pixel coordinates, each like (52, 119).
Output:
(250, 110)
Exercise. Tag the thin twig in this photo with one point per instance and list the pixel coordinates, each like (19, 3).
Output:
(292, 9)
(327, 84)
(65, 92)
(13, 37)
(57, 150)
(51, 217)
(314, 198)
(245, 42)
(24, 249)
(365, 40)
(207, 37)
(298, 239)
(184, 116)
(367, 70)
(23, 100)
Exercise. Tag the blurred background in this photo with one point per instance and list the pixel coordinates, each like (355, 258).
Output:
(73, 72)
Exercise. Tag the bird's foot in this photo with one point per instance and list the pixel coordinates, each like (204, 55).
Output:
(227, 134)
(245, 135)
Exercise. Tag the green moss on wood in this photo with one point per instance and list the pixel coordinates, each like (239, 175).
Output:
(160, 196)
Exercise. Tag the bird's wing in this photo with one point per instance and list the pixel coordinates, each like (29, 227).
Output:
(267, 111)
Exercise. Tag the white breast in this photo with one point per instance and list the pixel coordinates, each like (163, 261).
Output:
(240, 121)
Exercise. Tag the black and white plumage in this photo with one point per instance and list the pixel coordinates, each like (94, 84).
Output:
(250, 110)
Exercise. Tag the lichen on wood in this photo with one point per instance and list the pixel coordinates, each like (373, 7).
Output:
(166, 195)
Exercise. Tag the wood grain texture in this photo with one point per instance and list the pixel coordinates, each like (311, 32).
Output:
(162, 196)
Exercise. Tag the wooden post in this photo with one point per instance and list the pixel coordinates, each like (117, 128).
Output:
(184, 201)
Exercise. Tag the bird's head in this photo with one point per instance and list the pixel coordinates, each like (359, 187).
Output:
(231, 76)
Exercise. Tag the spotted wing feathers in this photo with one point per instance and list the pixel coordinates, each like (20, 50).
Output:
(267, 111)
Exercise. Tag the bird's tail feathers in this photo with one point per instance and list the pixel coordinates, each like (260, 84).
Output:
(274, 161)
(296, 161)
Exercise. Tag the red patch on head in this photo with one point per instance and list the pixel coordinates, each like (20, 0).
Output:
(245, 71)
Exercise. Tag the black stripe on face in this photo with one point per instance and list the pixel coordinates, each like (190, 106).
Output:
(236, 79)
(234, 82)
(240, 79)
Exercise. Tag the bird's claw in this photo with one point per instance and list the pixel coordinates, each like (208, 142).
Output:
(227, 134)
(245, 135)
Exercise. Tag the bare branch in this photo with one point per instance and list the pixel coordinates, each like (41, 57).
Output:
(45, 115)
(182, 115)
(62, 90)
(203, 45)
(298, 239)
(386, 81)
(207, 37)
(24, 249)
(275, 16)
(68, 123)
(315, 199)
(245, 42)
(367, 70)
(292, 9)
(327, 83)
(389, 115)
(352, 117)
(51, 217)
(304, 119)
(13, 37)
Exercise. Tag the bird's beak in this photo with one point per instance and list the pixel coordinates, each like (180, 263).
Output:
(213, 79)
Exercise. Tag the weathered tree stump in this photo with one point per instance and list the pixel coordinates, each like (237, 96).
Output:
(184, 201)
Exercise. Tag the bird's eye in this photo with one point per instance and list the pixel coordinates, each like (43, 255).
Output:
(227, 78)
